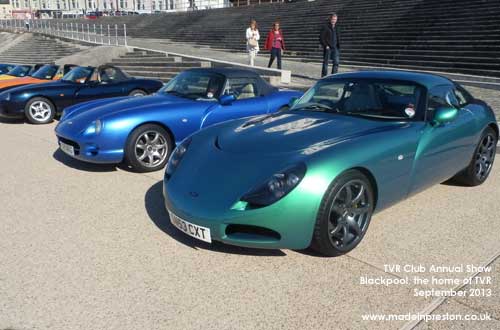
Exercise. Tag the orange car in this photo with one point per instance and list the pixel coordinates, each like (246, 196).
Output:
(19, 71)
(43, 74)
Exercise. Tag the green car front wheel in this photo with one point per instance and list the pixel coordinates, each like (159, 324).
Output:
(344, 215)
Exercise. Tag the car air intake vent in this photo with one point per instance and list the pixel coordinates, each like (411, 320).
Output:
(216, 143)
(252, 232)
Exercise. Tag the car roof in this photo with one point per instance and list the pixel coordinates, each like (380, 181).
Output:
(426, 79)
(228, 72)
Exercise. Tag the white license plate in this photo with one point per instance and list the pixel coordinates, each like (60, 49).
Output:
(70, 150)
(199, 232)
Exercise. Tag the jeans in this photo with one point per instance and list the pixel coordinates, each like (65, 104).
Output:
(275, 53)
(334, 55)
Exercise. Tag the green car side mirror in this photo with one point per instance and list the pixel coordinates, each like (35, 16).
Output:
(293, 101)
(444, 115)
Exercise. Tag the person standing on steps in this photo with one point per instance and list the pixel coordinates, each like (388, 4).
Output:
(330, 40)
(276, 44)
(253, 38)
(27, 21)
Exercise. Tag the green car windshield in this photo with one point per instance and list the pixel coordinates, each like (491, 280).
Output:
(195, 85)
(379, 99)
(46, 72)
(20, 71)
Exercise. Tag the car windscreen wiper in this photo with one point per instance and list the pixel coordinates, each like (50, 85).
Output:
(176, 93)
(314, 106)
(370, 115)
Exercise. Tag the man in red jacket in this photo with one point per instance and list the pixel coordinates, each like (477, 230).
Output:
(275, 43)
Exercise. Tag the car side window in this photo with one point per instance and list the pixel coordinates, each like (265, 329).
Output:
(462, 96)
(242, 88)
(111, 75)
(440, 96)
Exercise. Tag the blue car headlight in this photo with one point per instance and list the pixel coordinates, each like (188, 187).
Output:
(277, 187)
(176, 157)
(94, 128)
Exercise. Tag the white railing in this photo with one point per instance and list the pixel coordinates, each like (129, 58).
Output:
(104, 34)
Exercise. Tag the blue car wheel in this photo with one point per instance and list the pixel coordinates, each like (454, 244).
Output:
(137, 92)
(40, 110)
(148, 148)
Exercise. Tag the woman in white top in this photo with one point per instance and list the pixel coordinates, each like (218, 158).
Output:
(253, 37)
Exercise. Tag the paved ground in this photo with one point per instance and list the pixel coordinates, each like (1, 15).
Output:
(91, 247)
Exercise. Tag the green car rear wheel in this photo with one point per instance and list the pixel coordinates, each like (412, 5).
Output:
(482, 161)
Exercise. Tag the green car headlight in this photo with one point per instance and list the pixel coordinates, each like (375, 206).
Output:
(277, 187)
(94, 128)
(176, 157)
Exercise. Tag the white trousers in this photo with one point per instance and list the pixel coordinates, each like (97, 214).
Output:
(251, 58)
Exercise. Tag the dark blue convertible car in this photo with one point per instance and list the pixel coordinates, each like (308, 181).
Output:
(40, 103)
(143, 131)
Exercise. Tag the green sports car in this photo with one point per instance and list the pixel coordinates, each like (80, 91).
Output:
(352, 145)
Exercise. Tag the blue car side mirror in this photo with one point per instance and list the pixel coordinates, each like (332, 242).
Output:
(227, 99)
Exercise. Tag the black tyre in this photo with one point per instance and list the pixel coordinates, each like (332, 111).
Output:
(481, 163)
(40, 110)
(137, 92)
(344, 214)
(148, 148)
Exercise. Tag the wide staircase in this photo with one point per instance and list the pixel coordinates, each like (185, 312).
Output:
(37, 49)
(163, 66)
(459, 36)
(156, 65)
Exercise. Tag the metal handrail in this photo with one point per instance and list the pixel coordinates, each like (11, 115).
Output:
(110, 35)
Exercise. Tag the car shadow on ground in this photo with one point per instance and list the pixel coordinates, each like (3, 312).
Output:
(154, 204)
(12, 121)
(453, 183)
(82, 166)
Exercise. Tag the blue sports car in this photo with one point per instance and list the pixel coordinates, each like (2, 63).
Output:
(143, 131)
(40, 103)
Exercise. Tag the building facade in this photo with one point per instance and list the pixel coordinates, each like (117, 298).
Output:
(48, 8)
(5, 9)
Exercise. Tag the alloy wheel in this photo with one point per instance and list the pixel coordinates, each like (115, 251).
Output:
(485, 156)
(151, 148)
(40, 111)
(349, 215)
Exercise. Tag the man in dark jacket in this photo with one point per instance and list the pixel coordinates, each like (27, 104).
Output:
(329, 39)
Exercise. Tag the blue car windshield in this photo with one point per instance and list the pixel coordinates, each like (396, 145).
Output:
(20, 71)
(78, 75)
(46, 72)
(195, 85)
(4, 68)
(371, 98)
